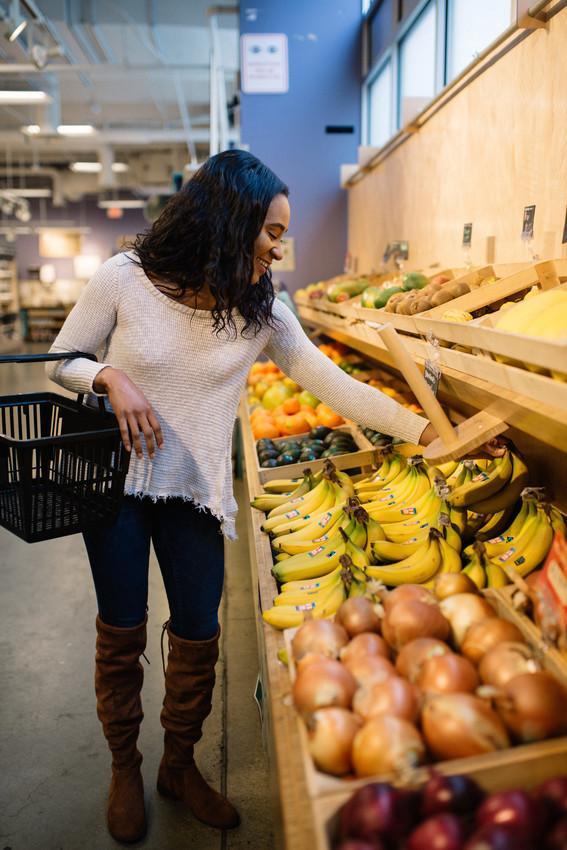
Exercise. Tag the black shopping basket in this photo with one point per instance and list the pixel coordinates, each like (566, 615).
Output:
(62, 464)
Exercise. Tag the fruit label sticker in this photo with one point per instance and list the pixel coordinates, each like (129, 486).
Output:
(330, 555)
(482, 476)
(313, 586)
(324, 519)
(408, 511)
(292, 514)
(315, 551)
(307, 606)
(467, 234)
(321, 539)
(297, 499)
(507, 555)
(528, 223)
(519, 561)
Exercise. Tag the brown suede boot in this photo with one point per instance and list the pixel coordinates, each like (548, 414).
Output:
(189, 682)
(118, 682)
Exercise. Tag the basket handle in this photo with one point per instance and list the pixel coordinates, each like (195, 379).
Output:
(58, 355)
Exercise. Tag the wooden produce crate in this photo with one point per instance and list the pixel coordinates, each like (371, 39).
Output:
(527, 625)
(494, 771)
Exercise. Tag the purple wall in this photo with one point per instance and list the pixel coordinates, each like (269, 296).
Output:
(287, 131)
(101, 240)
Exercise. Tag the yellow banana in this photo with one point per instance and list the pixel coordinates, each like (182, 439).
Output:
(270, 502)
(387, 491)
(283, 486)
(283, 556)
(311, 584)
(458, 517)
(297, 499)
(495, 575)
(286, 616)
(374, 532)
(508, 495)
(476, 573)
(447, 469)
(386, 552)
(299, 597)
(415, 569)
(483, 483)
(319, 561)
(319, 525)
(356, 553)
(496, 523)
(523, 557)
(499, 544)
(293, 523)
(425, 508)
(397, 465)
(305, 506)
(298, 546)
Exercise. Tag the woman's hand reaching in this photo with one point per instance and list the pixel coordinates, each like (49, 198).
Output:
(491, 449)
(132, 410)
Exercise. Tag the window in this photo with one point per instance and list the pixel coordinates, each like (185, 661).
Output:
(380, 107)
(381, 29)
(417, 66)
(471, 28)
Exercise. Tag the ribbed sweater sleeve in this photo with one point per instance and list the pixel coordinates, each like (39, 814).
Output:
(87, 328)
(295, 354)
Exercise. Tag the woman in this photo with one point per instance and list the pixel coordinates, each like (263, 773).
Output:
(176, 326)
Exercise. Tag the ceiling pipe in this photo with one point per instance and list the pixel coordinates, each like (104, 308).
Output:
(57, 197)
(102, 70)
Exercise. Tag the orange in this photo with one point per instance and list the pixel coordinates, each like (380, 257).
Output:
(265, 429)
(328, 417)
(294, 424)
(291, 405)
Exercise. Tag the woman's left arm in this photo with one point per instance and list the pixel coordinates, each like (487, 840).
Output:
(293, 352)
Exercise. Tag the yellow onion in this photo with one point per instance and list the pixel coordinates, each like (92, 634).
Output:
(447, 584)
(357, 615)
(367, 669)
(464, 609)
(395, 696)
(415, 653)
(411, 619)
(484, 635)
(330, 733)
(364, 645)
(321, 684)
(321, 637)
(506, 661)
(386, 745)
(533, 706)
(404, 593)
(447, 674)
(461, 725)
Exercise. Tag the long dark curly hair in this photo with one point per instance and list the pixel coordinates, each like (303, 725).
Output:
(206, 233)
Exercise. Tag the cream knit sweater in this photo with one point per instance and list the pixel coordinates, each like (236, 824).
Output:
(194, 378)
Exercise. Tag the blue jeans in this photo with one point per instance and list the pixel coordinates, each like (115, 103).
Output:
(190, 551)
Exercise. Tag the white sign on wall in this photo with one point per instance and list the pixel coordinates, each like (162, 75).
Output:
(264, 63)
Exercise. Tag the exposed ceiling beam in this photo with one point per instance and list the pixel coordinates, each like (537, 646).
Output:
(103, 70)
(112, 136)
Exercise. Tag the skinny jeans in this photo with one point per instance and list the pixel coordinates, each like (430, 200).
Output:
(189, 548)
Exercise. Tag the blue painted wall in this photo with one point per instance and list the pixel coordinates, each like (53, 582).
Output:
(287, 131)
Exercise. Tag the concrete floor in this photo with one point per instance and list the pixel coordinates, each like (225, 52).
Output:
(55, 764)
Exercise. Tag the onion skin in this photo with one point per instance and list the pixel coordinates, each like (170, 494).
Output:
(369, 669)
(378, 809)
(321, 637)
(557, 838)
(386, 745)
(447, 674)
(441, 832)
(462, 610)
(411, 619)
(533, 706)
(357, 615)
(506, 661)
(555, 792)
(462, 725)
(484, 635)
(396, 697)
(404, 593)
(324, 683)
(364, 645)
(514, 809)
(356, 844)
(495, 837)
(415, 653)
(330, 733)
(448, 584)
(455, 794)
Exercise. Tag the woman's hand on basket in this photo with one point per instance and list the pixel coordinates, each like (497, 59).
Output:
(132, 410)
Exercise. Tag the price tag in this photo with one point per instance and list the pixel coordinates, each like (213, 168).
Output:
(564, 240)
(402, 250)
(528, 224)
(432, 375)
(467, 235)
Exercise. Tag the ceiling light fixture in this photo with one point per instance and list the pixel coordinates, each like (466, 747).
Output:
(31, 193)
(31, 129)
(120, 167)
(75, 129)
(122, 204)
(22, 98)
(86, 167)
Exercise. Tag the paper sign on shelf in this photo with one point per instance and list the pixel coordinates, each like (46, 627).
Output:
(264, 63)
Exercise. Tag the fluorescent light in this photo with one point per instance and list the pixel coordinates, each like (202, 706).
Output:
(75, 129)
(31, 129)
(18, 30)
(32, 193)
(120, 167)
(21, 98)
(86, 167)
(122, 204)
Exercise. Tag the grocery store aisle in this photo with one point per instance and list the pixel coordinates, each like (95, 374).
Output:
(52, 795)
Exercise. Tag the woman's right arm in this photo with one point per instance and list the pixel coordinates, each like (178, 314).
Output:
(87, 328)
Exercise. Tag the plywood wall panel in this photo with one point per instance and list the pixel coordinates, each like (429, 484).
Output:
(498, 146)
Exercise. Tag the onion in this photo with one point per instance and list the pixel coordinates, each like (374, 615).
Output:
(356, 844)
(515, 809)
(457, 794)
(357, 615)
(364, 645)
(484, 635)
(557, 838)
(412, 619)
(415, 653)
(330, 733)
(464, 609)
(322, 684)
(404, 593)
(386, 745)
(533, 706)
(319, 636)
(447, 674)
(462, 725)
(378, 809)
(395, 696)
(555, 792)
(308, 659)
(442, 832)
(368, 669)
(494, 837)
(506, 661)
(448, 584)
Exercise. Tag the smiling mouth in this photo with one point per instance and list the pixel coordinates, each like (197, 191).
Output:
(265, 265)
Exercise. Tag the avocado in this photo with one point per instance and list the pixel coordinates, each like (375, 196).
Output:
(269, 463)
(413, 280)
(319, 432)
(266, 454)
(369, 296)
(265, 443)
(385, 296)
(307, 455)
(285, 458)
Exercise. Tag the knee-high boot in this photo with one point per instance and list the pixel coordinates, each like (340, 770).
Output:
(118, 683)
(189, 682)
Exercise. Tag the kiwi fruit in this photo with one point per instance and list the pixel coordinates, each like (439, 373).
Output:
(393, 301)
(419, 305)
(457, 289)
(441, 297)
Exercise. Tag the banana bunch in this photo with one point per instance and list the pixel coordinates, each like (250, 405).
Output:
(488, 488)
(270, 501)
(424, 560)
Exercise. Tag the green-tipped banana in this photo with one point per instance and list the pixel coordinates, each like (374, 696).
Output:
(509, 494)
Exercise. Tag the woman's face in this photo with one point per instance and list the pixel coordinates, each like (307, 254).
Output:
(267, 246)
